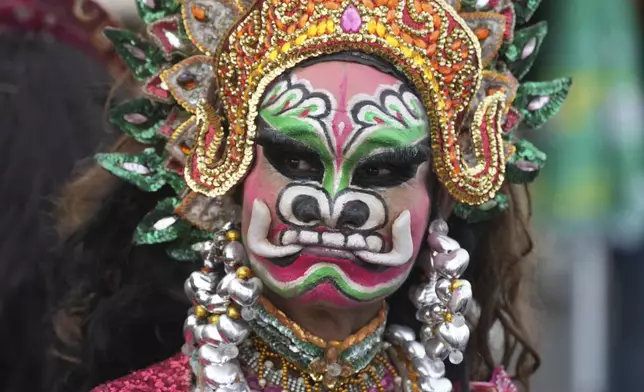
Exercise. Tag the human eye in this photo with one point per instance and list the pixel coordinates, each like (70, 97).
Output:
(387, 169)
(292, 159)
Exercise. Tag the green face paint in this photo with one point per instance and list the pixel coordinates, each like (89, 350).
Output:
(343, 135)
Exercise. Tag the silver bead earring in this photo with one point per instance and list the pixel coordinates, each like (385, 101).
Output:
(224, 293)
(444, 298)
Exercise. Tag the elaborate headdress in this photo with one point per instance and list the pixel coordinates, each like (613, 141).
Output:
(205, 65)
(465, 59)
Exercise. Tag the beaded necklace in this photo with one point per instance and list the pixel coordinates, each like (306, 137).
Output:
(328, 363)
(274, 373)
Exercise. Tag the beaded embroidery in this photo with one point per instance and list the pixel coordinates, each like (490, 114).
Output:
(275, 373)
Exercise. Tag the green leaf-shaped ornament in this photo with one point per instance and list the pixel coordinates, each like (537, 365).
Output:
(143, 58)
(522, 52)
(153, 10)
(540, 101)
(161, 224)
(474, 214)
(140, 118)
(191, 246)
(145, 170)
(525, 164)
(524, 9)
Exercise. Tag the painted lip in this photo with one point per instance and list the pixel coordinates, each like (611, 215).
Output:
(298, 265)
(342, 283)
(327, 294)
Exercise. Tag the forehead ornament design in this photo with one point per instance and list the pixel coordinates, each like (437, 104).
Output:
(428, 41)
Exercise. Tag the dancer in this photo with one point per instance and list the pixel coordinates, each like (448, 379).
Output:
(331, 168)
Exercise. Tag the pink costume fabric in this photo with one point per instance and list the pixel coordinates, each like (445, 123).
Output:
(175, 375)
(171, 375)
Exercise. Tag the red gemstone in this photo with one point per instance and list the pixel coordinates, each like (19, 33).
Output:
(509, 15)
(172, 122)
(155, 89)
(166, 33)
(511, 120)
(174, 166)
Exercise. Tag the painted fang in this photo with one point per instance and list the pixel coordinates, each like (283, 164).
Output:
(403, 248)
(257, 240)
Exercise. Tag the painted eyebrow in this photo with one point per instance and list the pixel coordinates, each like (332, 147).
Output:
(267, 136)
(415, 154)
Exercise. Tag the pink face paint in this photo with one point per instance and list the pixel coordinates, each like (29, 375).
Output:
(324, 172)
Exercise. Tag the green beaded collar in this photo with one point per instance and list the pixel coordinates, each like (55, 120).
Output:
(307, 351)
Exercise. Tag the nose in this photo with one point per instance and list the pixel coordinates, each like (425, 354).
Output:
(355, 213)
(306, 209)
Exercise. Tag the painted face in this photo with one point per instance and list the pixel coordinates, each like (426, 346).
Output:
(336, 206)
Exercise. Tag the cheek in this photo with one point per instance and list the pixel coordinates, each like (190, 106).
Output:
(412, 196)
(262, 183)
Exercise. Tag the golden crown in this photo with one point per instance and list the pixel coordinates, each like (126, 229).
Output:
(427, 40)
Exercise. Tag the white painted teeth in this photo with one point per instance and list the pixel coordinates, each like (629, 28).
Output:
(335, 239)
(309, 238)
(369, 248)
(289, 237)
(374, 244)
(403, 245)
(355, 241)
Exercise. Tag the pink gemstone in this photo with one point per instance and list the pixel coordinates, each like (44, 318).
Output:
(135, 118)
(138, 53)
(529, 48)
(351, 20)
(527, 166)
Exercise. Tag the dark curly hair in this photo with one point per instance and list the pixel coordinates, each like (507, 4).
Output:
(51, 97)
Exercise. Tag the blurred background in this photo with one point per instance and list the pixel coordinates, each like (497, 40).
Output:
(589, 202)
